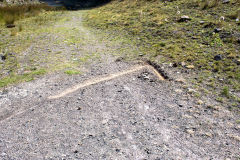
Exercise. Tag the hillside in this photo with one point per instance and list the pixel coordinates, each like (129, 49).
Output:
(199, 38)
(128, 79)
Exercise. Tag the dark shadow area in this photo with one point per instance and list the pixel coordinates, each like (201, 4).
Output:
(75, 4)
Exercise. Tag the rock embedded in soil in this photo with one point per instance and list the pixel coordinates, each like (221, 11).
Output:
(225, 1)
(180, 80)
(2, 57)
(217, 30)
(190, 66)
(10, 25)
(200, 102)
(238, 62)
(190, 90)
(183, 64)
(238, 40)
(218, 57)
(184, 19)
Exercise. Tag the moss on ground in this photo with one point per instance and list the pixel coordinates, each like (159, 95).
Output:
(154, 26)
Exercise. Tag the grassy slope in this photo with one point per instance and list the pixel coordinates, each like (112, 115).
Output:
(18, 39)
(153, 25)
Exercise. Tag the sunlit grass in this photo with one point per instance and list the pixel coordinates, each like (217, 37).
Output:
(13, 79)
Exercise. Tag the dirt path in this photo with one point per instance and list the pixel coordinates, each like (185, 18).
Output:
(113, 110)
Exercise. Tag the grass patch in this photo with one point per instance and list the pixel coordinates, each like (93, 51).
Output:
(225, 91)
(13, 79)
(72, 72)
(154, 27)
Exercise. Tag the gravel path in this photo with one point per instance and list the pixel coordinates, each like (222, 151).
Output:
(130, 116)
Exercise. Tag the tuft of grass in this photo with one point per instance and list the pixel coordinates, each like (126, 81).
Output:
(225, 91)
(220, 99)
(71, 72)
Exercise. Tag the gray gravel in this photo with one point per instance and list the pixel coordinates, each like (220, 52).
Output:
(130, 117)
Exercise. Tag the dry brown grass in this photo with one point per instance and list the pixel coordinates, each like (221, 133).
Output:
(10, 14)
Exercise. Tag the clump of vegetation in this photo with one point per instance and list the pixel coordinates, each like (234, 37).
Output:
(12, 79)
(235, 14)
(226, 92)
(11, 13)
(71, 72)
(209, 4)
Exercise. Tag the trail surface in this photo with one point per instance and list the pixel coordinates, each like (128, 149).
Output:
(113, 110)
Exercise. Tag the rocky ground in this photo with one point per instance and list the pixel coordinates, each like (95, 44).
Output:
(133, 116)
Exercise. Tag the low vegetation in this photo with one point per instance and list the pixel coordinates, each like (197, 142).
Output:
(14, 78)
(19, 25)
(71, 72)
(199, 36)
(11, 13)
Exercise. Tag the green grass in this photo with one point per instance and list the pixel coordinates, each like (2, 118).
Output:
(72, 72)
(225, 91)
(29, 21)
(153, 26)
(13, 79)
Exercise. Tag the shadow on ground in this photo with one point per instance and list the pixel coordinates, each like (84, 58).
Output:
(76, 4)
